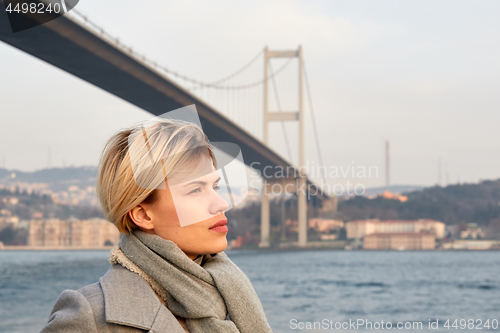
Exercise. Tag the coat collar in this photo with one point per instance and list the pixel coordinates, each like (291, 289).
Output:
(130, 301)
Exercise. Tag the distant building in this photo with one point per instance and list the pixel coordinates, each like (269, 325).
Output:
(473, 231)
(361, 228)
(327, 237)
(37, 216)
(292, 225)
(393, 196)
(13, 201)
(92, 233)
(399, 241)
(466, 244)
(325, 226)
(6, 218)
(321, 225)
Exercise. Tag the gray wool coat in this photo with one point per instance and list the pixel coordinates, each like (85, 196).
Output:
(122, 301)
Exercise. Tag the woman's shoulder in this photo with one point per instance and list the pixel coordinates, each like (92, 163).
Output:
(93, 294)
(72, 312)
(121, 301)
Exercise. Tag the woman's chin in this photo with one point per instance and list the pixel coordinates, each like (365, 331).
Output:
(219, 245)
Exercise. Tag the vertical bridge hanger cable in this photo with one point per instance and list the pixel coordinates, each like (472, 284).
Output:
(315, 128)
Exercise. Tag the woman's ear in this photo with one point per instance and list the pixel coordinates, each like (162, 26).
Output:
(140, 217)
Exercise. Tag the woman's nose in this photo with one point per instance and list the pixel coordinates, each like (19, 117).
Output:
(218, 204)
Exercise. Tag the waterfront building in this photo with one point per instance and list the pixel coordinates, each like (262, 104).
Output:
(400, 241)
(325, 225)
(361, 228)
(473, 231)
(93, 233)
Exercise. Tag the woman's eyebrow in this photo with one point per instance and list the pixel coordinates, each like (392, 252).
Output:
(200, 182)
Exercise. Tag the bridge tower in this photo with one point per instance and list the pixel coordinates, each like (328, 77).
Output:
(285, 116)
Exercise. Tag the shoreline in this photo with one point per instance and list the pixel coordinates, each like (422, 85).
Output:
(276, 248)
(52, 248)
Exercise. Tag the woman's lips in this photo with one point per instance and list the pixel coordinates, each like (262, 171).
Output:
(219, 226)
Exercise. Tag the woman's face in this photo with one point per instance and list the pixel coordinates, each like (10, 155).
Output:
(186, 212)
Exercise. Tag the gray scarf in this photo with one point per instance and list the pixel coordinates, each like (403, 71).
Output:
(202, 294)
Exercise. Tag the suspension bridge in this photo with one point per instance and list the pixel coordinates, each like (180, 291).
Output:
(235, 108)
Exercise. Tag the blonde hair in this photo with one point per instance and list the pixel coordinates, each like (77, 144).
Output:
(171, 144)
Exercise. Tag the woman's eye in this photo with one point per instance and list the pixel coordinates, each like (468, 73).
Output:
(217, 187)
(196, 190)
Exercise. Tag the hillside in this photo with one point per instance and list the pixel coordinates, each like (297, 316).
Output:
(28, 205)
(56, 178)
(452, 204)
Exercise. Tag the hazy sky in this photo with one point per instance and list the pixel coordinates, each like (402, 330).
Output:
(423, 74)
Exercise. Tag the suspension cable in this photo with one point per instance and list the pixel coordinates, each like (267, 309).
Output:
(241, 70)
(237, 87)
(131, 52)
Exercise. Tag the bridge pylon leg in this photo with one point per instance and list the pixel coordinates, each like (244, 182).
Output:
(265, 225)
(302, 212)
(286, 116)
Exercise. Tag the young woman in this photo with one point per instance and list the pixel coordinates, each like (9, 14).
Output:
(169, 273)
